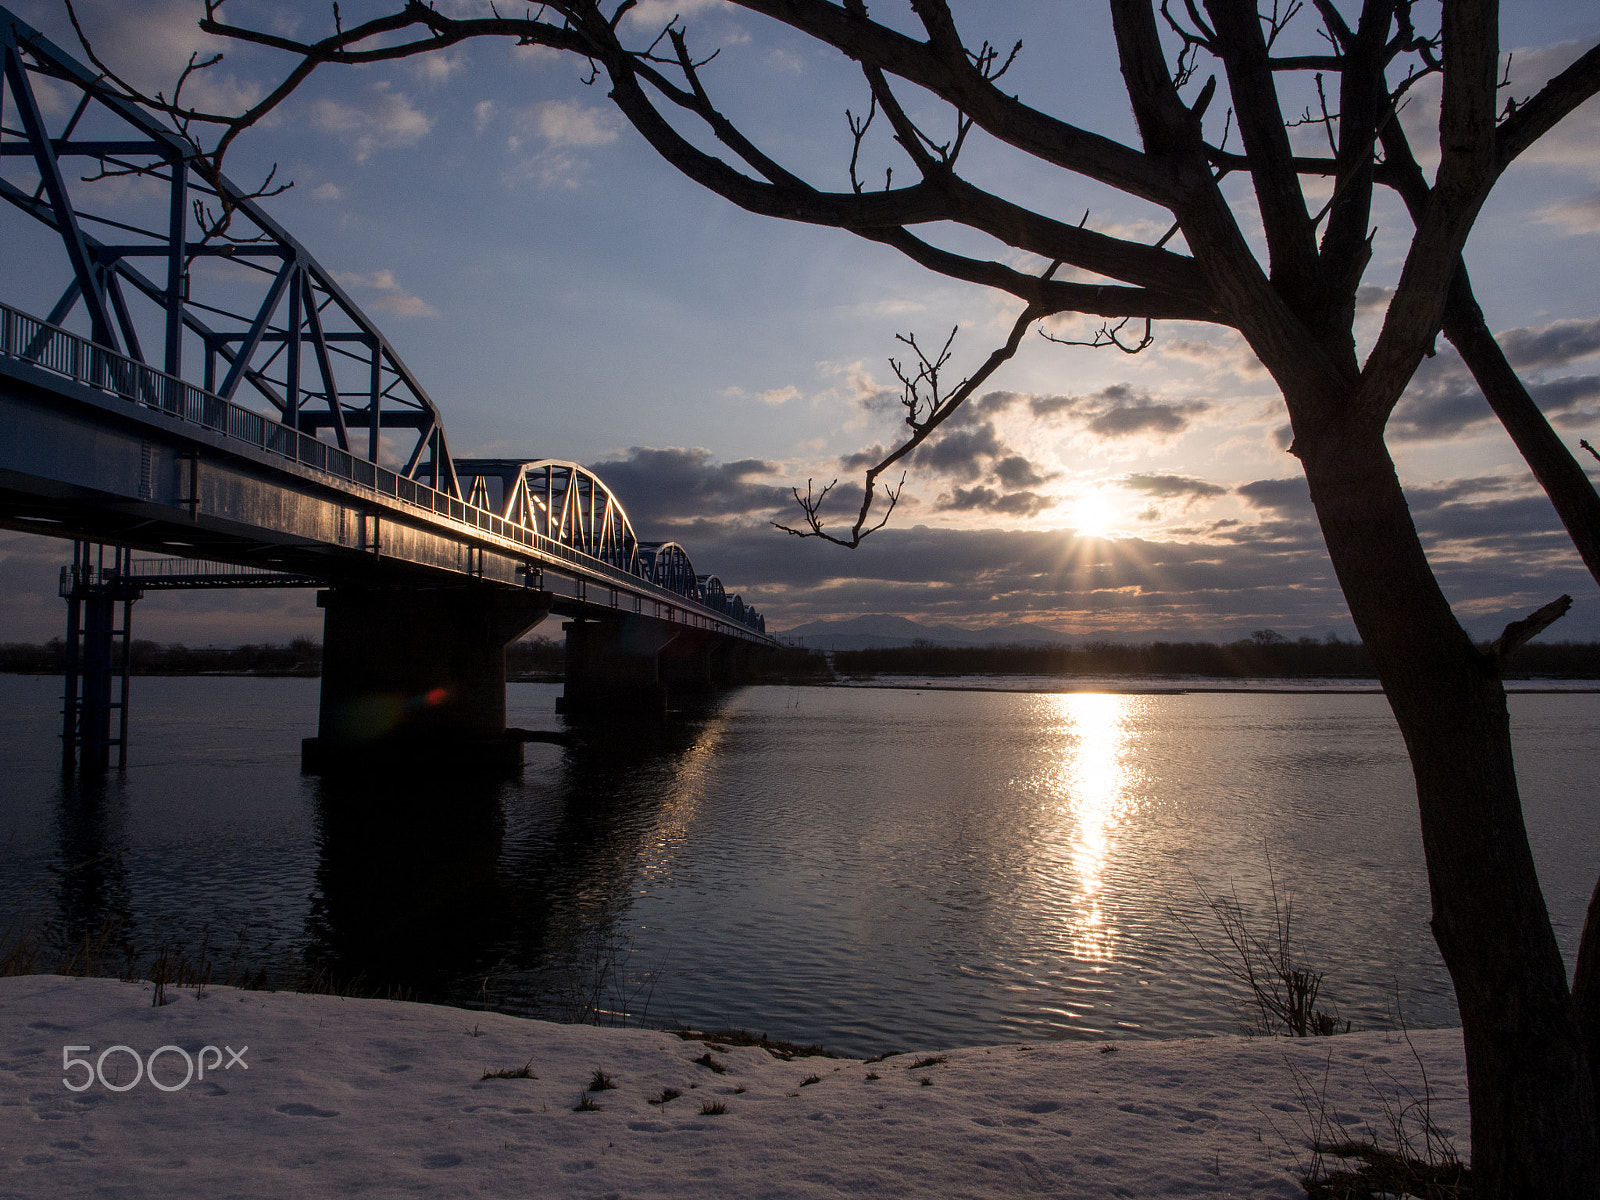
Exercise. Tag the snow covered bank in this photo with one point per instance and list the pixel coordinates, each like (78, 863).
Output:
(331, 1096)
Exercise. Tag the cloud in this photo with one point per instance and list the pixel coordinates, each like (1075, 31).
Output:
(665, 487)
(482, 114)
(385, 119)
(1578, 215)
(1144, 416)
(150, 43)
(1214, 349)
(554, 169)
(1017, 472)
(567, 123)
(655, 14)
(391, 296)
(969, 448)
(961, 451)
(1429, 496)
(561, 127)
(862, 459)
(1444, 400)
(535, 55)
(773, 396)
(327, 191)
(1370, 298)
(986, 499)
(1574, 144)
(893, 308)
(1557, 344)
(1119, 411)
(404, 304)
(1172, 487)
(1287, 496)
(438, 66)
(981, 408)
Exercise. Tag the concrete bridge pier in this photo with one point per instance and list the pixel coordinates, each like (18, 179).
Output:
(739, 663)
(700, 662)
(416, 676)
(613, 667)
(693, 664)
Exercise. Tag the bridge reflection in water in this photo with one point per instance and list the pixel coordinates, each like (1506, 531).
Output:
(525, 897)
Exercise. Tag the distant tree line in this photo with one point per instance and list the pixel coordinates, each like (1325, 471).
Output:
(302, 656)
(792, 664)
(533, 659)
(1265, 654)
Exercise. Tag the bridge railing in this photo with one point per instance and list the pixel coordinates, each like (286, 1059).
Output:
(62, 352)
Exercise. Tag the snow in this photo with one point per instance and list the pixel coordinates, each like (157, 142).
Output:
(374, 1097)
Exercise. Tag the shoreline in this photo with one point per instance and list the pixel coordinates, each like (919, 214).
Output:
(345, 1095)
(1122, 685)
(907, 683)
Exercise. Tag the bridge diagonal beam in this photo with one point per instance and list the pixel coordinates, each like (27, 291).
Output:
(119, 306)
(177, 267)
(55, 189)
(258, 327)
(290, 349)
(319, 346)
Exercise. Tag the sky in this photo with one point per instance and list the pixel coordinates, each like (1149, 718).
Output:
(562, 292)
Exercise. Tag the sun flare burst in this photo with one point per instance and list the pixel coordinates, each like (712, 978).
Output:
(1093, 515)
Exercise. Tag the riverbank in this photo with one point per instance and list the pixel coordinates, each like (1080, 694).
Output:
(332, 1095)
(1183, 685)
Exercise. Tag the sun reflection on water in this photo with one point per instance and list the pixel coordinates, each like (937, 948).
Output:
(1095, 785)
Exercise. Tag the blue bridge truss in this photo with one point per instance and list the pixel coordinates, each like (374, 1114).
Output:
(234, 368)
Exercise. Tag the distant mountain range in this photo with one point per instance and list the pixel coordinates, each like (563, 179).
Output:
(882, 630)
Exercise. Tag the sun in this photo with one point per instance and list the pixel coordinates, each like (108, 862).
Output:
(1093, 515)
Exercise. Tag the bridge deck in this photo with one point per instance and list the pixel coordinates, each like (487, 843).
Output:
(104, 447)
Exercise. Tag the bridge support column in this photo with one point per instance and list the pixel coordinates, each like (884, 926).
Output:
(614, 667)
(96, 653)
(693, 664)
(417, 676)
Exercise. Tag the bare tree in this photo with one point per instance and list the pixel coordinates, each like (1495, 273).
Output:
(1197, 74)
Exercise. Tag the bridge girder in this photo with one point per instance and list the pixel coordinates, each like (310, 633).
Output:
(666, 564)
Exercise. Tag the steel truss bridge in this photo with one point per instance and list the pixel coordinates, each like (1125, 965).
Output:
(201, 386)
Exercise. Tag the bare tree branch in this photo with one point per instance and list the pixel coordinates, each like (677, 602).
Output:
(1109, 335)
(927, 407)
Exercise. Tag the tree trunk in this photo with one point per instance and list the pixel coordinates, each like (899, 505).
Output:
(1535, 1131)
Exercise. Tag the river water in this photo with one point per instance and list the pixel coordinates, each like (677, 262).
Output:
(867, 869)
